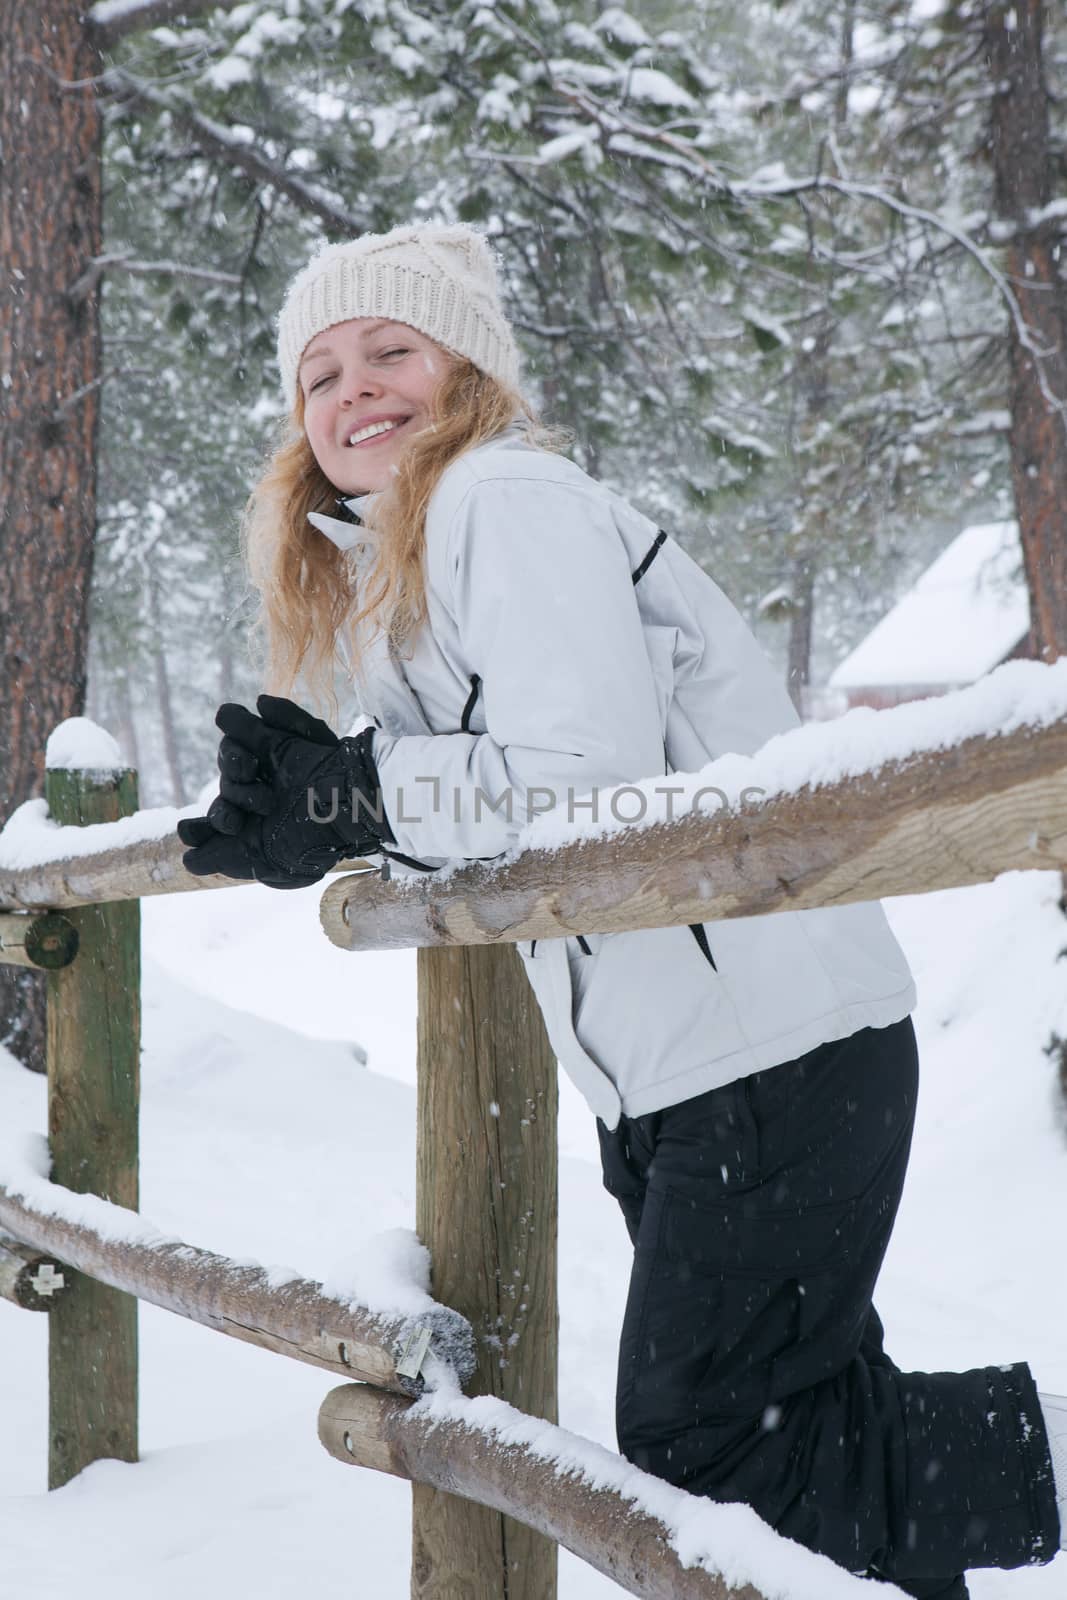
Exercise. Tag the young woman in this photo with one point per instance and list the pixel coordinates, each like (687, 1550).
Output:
(517, 631)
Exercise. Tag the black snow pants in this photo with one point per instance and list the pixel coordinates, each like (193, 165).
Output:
(751, 1365)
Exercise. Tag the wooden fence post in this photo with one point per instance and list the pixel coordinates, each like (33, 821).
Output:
(486, 1208)
(94, 1046)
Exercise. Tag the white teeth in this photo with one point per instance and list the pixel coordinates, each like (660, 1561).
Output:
(368, 433)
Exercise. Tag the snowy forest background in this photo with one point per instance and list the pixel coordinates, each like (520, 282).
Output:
(742, 250)
(795, 275)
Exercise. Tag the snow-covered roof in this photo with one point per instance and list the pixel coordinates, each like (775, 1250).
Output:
(963, 616)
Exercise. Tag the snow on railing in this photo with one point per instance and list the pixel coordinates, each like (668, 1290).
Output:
(649, 1537)
(931, 795)
(370, 1337)
(871, 803)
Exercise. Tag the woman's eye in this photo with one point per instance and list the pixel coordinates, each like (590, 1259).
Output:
(327, 377)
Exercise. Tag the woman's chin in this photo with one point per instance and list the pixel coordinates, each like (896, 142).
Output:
(351, 483)
(369, 477)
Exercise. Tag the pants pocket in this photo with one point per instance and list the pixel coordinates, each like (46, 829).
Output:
(709, 1146)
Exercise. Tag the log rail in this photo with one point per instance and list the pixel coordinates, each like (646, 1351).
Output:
(601, 1524)
(293, 1319)
(938, 819)
(949, 812)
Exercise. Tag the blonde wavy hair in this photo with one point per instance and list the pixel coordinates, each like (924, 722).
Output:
(310, 602)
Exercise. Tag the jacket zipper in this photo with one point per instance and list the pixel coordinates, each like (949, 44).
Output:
(649, 557)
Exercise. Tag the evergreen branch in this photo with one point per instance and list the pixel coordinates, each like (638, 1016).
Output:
(111, 20)
(586, 332)
(216, 140)
(71, 400)
(963, 240)
(625, 134)
(98, 265)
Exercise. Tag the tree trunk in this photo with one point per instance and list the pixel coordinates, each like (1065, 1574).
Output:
(847, 52)
(801, 622)
(227, 674)
(49, 367)
(163, 696)
(1023, 166)
(126, 731)
(94, 701)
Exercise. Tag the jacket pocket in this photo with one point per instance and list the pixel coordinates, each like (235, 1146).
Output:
(699, 933)
(649, 1009)
(587, 944)
(582, 952)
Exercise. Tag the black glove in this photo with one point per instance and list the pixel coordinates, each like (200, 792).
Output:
(294, 799)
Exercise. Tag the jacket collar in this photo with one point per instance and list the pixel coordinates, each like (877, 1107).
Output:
(347, 532)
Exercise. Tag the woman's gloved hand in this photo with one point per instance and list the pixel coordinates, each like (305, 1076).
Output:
(293, 800)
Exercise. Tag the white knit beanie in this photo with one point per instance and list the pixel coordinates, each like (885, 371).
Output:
(439, 278)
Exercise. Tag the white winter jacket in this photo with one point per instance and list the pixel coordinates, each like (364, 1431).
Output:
(573, 647)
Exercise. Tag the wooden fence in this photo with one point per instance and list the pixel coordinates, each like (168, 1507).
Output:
(951, 809)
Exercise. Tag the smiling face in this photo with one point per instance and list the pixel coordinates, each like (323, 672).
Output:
(367, 386)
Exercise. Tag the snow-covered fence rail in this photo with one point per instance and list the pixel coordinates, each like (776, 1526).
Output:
(42, 864)
(293, 1317)
(937, 794)
(575, 1493)
(934, 795)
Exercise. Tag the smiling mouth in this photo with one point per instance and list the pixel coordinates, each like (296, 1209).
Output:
(382, 431)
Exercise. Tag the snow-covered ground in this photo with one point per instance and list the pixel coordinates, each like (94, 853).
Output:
(263, 1136)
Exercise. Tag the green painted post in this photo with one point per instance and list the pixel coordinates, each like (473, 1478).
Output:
(94, 1047)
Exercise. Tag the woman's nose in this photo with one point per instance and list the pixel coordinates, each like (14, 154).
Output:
(357, 385)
